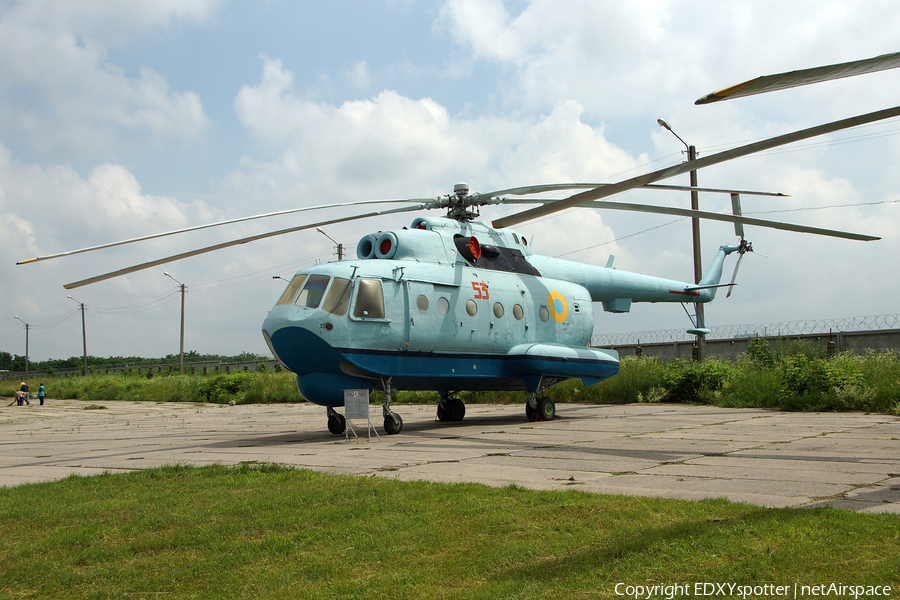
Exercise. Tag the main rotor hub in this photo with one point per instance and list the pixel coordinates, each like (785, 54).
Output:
(458, 204)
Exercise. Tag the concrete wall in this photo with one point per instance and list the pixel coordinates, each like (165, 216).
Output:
(884, 340)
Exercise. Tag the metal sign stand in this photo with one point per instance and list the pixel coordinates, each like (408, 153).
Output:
(356, 406)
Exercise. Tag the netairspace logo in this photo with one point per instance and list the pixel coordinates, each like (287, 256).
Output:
(737, 590)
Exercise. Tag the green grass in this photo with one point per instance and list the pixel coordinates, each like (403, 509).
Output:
(239, 387)
(273, 532)
(790, 377)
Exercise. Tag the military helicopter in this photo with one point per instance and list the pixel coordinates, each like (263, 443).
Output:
(453, 304)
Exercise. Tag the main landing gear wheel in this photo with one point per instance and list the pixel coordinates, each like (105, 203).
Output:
(456, 409)
(337, 424)
(393, 424)
(545, 411)
(451, 409)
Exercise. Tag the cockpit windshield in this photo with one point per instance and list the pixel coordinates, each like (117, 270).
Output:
(293, 287)
(313, 291)
(308, 291)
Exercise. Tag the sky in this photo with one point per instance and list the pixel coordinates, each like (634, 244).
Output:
(120, 119)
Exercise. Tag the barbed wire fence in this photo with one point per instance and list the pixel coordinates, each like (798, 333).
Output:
(724, 332)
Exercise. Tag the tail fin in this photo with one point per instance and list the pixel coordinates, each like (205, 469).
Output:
(710, 281)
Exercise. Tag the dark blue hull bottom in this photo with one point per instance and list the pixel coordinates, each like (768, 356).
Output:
(324, 372)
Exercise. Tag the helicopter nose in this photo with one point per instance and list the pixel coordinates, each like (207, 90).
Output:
(298, 345)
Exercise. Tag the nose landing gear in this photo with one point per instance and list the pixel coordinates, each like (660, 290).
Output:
(393, 424)
(337, 424)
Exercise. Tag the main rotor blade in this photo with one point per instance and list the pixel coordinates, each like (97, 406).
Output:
(252, 238)
(552, 187)
(701, 214)
(782, 81)
(693, 165)
(208, 225)
(736, 211)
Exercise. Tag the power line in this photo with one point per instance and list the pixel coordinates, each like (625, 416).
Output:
(56, 323)
(142, 306)
(618, 239)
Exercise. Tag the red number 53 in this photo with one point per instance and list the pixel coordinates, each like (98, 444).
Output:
(481, 290)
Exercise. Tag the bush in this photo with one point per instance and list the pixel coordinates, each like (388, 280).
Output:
(240, 387)
(697, 382)
(759, 351)
(639, 380)
(753, 385)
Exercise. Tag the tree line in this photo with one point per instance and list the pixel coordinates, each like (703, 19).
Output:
(11, 362)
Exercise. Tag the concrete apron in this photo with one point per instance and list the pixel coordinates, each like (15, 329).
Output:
(761, 457)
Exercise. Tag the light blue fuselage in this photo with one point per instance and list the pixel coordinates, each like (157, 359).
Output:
(418, 308)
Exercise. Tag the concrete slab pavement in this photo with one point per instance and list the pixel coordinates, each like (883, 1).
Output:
(847, 460)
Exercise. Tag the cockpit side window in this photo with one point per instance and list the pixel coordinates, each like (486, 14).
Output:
(338, 299)
(313, 291)
(293, 287)
(369, 300)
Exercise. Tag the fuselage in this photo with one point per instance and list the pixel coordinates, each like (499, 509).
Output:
(448, 305)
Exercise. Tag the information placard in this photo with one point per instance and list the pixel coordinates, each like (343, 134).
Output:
(356, 404)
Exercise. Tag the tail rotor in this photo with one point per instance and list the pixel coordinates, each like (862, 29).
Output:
(744, 246)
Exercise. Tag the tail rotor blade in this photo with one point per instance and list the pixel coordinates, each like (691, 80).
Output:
(734, 276)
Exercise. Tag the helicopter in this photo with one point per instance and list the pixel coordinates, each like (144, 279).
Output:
(453, 304)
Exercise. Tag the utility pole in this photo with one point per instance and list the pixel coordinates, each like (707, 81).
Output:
(695, 234)
(340, 247)
(83, 332)
(181, 347)
(27, 327)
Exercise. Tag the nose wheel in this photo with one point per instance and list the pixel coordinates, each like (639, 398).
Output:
(337, 424)
(393, 424)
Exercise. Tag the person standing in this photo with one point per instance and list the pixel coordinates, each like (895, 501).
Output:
(41, 392)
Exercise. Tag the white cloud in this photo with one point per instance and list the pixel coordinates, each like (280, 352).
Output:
(111, 21)
(621, 59)
(60, 93)
(392, 141)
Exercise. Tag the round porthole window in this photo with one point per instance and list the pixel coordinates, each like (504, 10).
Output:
(471, 307)
(443, 305)
(518, 313)
(422, 303)
(498, 310)
(545, 314)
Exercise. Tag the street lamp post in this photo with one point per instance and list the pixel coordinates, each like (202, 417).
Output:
(340, 247)
(83, 332)
(695, 233)
(181, 347)
(27, 327)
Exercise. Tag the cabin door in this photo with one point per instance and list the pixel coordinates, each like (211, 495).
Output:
(423, 317)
